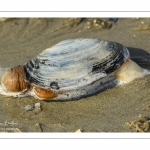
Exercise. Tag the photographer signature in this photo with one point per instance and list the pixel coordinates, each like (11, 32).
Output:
(7, 123)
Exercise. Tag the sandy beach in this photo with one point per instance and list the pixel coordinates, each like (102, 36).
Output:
(112, 110)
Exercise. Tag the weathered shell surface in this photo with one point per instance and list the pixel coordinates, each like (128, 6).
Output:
(76, 67)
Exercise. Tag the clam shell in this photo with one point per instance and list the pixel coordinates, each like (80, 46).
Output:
(76, 68)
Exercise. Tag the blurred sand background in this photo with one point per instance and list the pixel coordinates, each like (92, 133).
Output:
(23, 38)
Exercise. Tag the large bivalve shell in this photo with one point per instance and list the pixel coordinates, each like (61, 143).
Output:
(76, 68)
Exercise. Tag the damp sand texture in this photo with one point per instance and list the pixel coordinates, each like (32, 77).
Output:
(108, 111)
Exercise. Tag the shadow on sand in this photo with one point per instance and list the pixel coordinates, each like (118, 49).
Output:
(140, 56)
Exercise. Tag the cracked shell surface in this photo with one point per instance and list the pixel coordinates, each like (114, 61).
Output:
(76, 67)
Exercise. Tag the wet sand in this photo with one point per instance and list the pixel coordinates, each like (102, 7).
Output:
(21, 39)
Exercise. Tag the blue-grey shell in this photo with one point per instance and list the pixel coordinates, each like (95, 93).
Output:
(75, 63)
